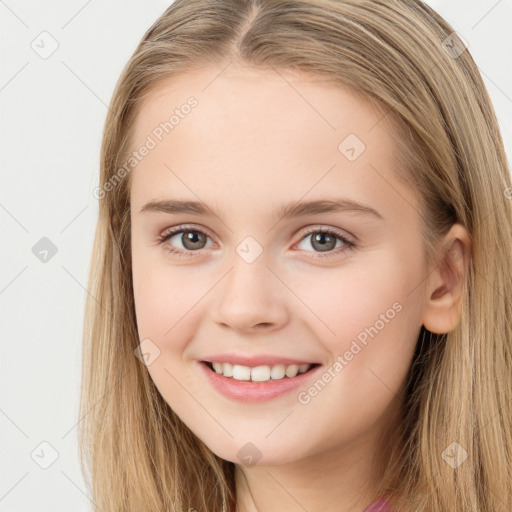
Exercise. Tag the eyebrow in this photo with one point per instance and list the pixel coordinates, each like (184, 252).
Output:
(290, 210)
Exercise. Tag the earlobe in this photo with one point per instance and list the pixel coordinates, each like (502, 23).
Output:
(444, 290)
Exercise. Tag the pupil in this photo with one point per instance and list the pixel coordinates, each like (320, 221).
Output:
(320, 237)
(192, 237)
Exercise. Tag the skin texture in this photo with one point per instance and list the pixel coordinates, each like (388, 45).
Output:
(256, 140)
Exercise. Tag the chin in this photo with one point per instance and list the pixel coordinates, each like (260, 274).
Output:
(248, 453)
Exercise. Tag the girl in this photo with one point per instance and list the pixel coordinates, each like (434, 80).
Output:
(301, 275)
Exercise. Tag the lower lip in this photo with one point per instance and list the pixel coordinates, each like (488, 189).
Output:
(248, 391)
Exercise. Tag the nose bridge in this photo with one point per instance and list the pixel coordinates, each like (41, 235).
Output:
(249, 270)
(250, 294)
(249, 276)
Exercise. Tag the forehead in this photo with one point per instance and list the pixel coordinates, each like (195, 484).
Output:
(268, 135)
(259, 100)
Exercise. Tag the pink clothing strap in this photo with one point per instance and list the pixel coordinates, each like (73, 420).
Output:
(381, 505)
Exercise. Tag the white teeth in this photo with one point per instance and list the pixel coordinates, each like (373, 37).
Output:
(227, 369)
(261, 373)
(278, 371)
(292, 370)
(241, 372)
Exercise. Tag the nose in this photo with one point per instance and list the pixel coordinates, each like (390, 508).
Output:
(251, 298)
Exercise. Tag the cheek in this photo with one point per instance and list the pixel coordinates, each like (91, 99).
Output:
(366, 314)
(375, 324)
(167, 299)
(348, 299)
(166, 305)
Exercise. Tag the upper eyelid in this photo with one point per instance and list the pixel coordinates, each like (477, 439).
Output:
(178, 229)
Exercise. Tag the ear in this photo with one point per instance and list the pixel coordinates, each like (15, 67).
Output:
(445, 282)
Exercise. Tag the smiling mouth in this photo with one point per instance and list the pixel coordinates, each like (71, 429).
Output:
(263, 373)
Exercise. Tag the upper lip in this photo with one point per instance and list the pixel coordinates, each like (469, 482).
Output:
(256, 360)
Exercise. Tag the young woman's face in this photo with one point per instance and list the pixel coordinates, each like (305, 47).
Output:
(250, 281)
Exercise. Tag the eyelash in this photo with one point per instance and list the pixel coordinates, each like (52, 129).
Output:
(348, 245)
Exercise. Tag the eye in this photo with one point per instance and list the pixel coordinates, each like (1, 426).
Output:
(325, 240)
(191, 239)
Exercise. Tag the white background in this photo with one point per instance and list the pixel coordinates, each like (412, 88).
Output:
(52, 114)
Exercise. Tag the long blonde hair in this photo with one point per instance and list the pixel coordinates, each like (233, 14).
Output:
(136, 454)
